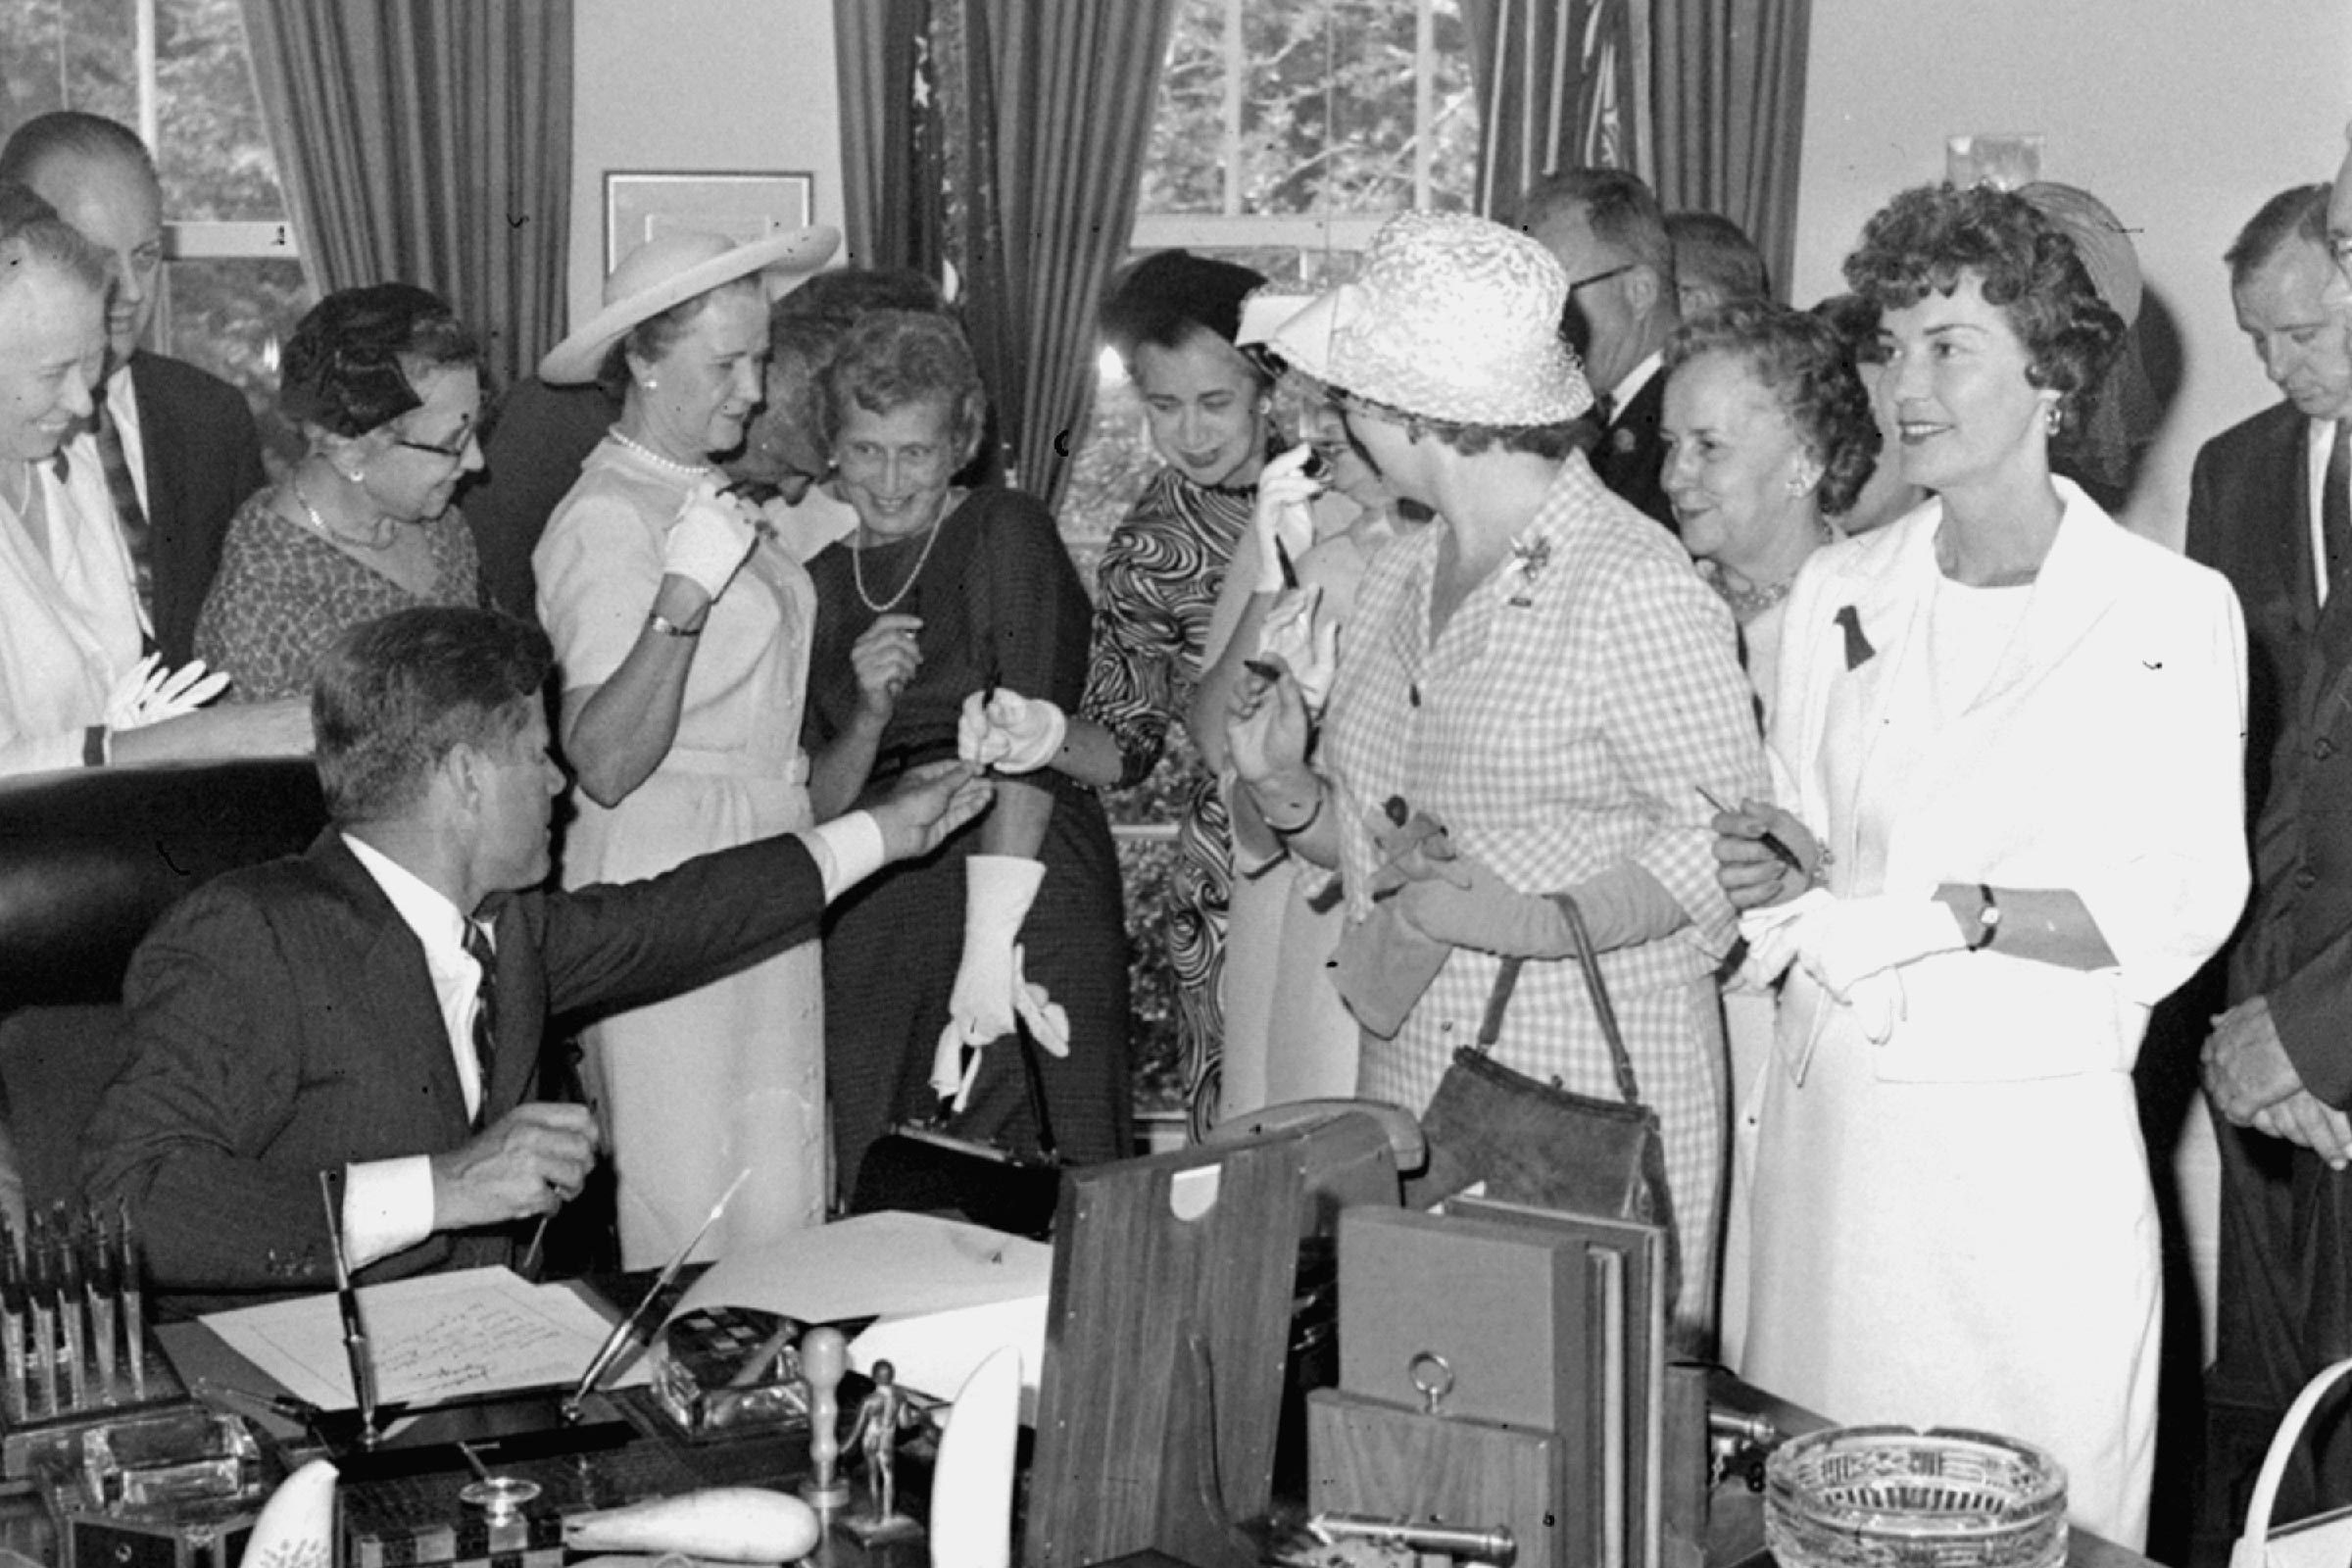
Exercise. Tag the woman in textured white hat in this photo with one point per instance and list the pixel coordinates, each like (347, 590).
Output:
(681, 630)
(1541, 672)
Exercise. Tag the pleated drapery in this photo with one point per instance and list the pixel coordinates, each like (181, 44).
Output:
(428, 141)
(1730, 85)
(1020, 175)
(1562, 84)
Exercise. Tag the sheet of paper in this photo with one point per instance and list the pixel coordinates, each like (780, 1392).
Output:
(879, 1266)
(935, 1353)
(433, 1338)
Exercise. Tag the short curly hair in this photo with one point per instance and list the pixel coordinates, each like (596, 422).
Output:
(1930, 237)
(892, 357)
(1804, 364)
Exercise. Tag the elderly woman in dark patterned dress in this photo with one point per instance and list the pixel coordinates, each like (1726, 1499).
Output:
(386, 387)
(1173, 317)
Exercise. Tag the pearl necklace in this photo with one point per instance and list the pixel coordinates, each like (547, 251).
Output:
(387, 527)
(857, 573)
(1747, 603)
(691, 471)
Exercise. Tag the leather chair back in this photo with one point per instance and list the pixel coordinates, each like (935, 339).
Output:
(88, 861)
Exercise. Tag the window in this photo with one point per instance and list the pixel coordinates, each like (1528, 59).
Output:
(178, 71)
(1287, 132)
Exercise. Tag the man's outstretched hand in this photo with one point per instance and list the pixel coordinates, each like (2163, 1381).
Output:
(927, 805)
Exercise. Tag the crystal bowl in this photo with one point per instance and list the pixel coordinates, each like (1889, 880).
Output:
(1895, 1497)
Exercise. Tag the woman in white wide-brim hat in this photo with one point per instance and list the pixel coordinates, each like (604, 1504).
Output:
(681, 630)
(1541, 672)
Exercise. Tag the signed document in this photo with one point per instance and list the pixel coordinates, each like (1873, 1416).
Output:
(434, 1338)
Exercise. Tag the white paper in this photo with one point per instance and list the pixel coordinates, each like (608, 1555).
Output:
(937, 1353)
(879, 1266)
(434, 1338)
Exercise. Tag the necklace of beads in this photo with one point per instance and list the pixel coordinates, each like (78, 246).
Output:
(857, 573)
(386, 527)
(691, 471)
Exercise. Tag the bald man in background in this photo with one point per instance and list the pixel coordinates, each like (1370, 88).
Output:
(179, 445)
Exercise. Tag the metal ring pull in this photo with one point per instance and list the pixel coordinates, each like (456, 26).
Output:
(1433, 1376)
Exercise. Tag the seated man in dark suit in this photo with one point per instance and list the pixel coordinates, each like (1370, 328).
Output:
(1606, 228)
(178, 445)
(332, 1011)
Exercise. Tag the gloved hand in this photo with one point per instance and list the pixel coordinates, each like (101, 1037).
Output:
(989, 986)
(1297, 632)
(150, 694)
(710, 539)
(1771, 933)
(1846, 941)
(1008, 732)
(1280, 518)
(1467, 904)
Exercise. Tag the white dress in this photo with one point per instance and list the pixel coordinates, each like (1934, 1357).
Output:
(731, 1076)
(70, 621)
(1955, 1227)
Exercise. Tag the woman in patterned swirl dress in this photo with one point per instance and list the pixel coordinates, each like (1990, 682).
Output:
(386, 387)
(1173, 317)
(682, 636)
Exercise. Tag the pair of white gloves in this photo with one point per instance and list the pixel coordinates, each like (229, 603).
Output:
(150, 694)
(713, 535)
(1854, 949)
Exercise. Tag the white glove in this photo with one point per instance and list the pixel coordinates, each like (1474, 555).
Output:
(1281, 518)
(711, 540)
(1849, 940)
(989, 986)
(1298, 633)
(1770, 934)
(150, 694)
(1008, 732)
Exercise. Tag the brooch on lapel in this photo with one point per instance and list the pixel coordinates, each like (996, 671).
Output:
(1529, 559)
(1858, 651)
(1622, 441)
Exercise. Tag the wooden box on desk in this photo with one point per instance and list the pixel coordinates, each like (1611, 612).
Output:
(1370, 1456)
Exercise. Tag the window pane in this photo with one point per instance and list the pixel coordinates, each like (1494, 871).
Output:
(212, 150)
(77, 54)
(1327, 109)
(231, 317)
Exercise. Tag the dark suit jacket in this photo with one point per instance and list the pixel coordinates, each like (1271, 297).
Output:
(1630, 457)
(530, 460)
(2250, 518)
(284, 1023)
(203, 457)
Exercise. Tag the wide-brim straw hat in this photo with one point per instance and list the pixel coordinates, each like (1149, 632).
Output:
(1453, 318)
(672, 270)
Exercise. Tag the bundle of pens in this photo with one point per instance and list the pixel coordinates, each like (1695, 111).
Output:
(73, 1331)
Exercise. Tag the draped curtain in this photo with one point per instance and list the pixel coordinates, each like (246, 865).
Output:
(1562, 84)
(1024, 139)
(1705, 99)
(428, 141)
(1729, 83)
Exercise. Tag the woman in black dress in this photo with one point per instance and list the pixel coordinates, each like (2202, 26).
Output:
(930, 960)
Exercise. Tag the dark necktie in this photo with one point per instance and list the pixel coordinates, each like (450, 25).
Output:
(127, 510)
(485, 1015)
(2335, 508)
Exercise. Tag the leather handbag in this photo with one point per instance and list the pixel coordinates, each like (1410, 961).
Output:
(929, 1170)
(1541, 1144)
(2324, 1541)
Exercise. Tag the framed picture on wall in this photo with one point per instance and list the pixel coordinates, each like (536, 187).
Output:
(639, 207)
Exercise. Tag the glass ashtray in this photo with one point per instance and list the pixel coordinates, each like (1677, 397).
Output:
(1895, 1497)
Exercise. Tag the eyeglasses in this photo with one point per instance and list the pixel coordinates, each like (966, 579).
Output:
(449, 453)
(1601, 278)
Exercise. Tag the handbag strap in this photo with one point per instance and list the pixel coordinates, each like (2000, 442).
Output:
(1580, 940)
(2250, 1545)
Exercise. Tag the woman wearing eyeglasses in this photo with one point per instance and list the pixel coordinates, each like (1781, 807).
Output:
(385, 385)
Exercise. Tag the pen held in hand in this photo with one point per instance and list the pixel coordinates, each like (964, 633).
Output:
(1781, 852)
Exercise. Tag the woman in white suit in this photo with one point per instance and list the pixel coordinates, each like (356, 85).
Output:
(2006, 733)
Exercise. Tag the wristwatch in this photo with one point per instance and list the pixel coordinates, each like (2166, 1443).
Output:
(1988, 918)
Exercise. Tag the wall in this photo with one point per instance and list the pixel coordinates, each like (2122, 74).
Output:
(2182, 114)
(707, 85)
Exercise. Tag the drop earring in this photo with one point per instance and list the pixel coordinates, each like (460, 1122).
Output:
(2051, 420)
